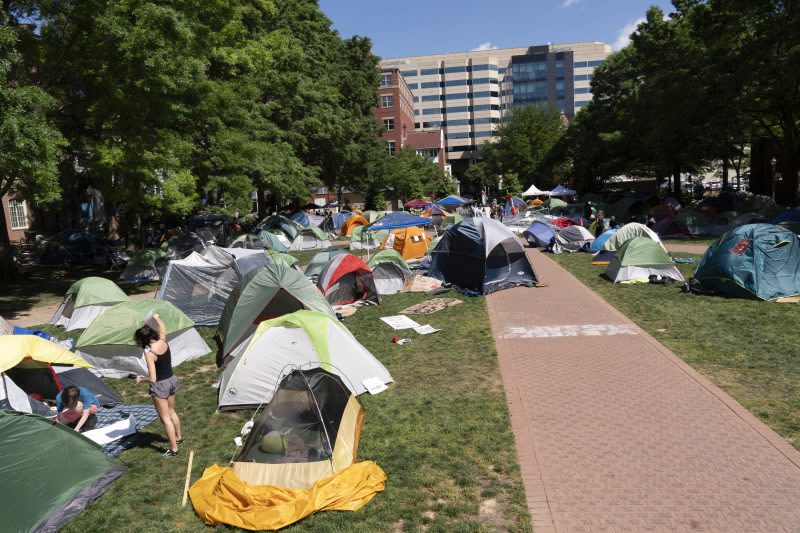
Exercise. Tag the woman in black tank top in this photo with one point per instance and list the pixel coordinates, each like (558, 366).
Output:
(162, 380)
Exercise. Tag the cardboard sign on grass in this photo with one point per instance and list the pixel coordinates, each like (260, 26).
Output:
(400, 322)
(431, 306)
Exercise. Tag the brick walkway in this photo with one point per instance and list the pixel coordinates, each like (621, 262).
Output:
(616, 433)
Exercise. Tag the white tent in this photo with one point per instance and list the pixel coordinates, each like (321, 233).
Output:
(5, 327)
(86, 299)
(534, 191)
(200, 284)
(303, 339)
(572, 239)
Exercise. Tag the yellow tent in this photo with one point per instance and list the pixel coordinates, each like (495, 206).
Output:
(32, 351)
(411, 243)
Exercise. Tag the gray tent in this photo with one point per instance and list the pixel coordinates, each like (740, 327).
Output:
(572, 239)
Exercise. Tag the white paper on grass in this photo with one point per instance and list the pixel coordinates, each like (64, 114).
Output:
(426, 329)
(117, 430)
(374, 385)
(400, 322)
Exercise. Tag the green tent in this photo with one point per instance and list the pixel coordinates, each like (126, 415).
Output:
(755, 261)
(86, 299)
(638, 259)
(452, 220)
(280, 258)
(389, 256)
(433, 243)
(372, 216)
(371, 239)
(264, 293)
(550, 203)
(628, 232)
(272, 240)
(321, 259)
(51, 473)
(309, 238)
(108, 343)
(143, 266)
(693, 218)
(389, 270)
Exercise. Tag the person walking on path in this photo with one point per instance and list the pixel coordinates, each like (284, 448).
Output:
(163, 382)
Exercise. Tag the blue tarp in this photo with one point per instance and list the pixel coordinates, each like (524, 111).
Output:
(539, 234)
(598, 243)
(397, 220)
(560, 190)
(452, 201)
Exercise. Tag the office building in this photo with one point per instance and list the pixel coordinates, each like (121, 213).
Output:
(466, 93)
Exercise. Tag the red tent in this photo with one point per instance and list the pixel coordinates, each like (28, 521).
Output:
(415, 203)
(563, 222)
(345, 279)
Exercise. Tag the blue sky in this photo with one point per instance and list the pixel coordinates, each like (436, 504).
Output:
(418, 27)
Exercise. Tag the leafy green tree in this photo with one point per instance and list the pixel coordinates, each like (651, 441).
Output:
(480, 176)
(29, 145)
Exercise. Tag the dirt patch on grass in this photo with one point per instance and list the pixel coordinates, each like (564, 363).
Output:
(492, 514)
(398, 526)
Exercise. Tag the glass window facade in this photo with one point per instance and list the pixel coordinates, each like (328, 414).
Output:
(430, 71)
(457, 96)
(583, 77)
(430, 84)
(455, 83)
(449, 70)
(431, 97)
(583, 90)
(408, 73)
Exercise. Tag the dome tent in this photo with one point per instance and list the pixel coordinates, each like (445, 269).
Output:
(672, 228)
(301, 218)
(109, 346)
(265, 293)
(410, 243)
(277, 222)
(183, 245)
(755, 261)
(281, 258)
(600, 241)
(351, 223)
(52, 472)
(362, 239)
(638, 259)
(482, 255)
(629, 231)
(144, 266)
(346, 279)
(319, 260)
(299, 458)
(86, 299)
(201, 284)
(248, 241)
(539, 234)
(306, 339)
(389, 270)
(572, 239)
(310, 238)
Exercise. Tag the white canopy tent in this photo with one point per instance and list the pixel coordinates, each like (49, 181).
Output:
(534, 191)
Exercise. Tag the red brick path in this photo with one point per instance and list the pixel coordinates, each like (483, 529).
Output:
(616, 433)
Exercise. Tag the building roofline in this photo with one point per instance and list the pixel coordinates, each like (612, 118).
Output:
(494, 50)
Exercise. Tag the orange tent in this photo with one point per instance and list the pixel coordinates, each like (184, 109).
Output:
(536, 201)
(411, 243)
(351, 223)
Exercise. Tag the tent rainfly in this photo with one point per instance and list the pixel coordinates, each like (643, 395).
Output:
(539, 234)
(310, 238)
(143, 266)
(389, 271)
(572, 239)
(638, 259)
(86, 299)
(319, 260)
(410, 242)
(628, 232)
(346, 279)
(109, 346)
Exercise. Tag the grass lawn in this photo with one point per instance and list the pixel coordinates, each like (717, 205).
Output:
(699, 241)
(748, 348)
(441, 432)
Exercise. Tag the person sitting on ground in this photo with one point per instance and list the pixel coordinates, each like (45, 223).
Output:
(77, 408)
(162, 380)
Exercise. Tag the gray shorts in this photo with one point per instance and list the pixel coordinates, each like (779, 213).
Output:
(165, 388)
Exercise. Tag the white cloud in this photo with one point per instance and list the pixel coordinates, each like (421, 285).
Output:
(624, 34)
(485, 46)
(569, 3)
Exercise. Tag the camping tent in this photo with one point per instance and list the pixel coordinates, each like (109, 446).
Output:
(638, 259)
(627, 232)
(303, 339)
(26, 372)
(482, 255)
(398, 220)
(74, 247)
(451, 220)
(452, 201)
(275, 239)
(361, 239)
(345, 279)
(301, 218)
(745, 218)
(339, 218)
(435, 214)
(630, 206)
(560, 190)
(789, 215)
(352, 223)
(5, 327)
(600, 241)
(755, 261)
(109, 346)
(432, 245)
(267, 292)
(696, 222)
(52, 473)
(533, 190)
(539, 234)
(410, 242)
(319, 260)
(249, 241)
(672, 228)
(287, 226)
(389, 270)
(82, 377)
(415, 203)
(145, 266)
(280, 258)
(182, 245)
(552, 203)
(310, 238)
(201, 284)
(298, 459)
(572, 239)
(86, 299)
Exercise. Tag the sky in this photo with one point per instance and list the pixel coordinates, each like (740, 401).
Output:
(420, 27)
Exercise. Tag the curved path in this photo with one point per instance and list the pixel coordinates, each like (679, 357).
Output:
(42, 314)
(616, 433)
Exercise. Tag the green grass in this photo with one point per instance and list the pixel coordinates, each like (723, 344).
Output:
(699, 241)
(748, 348)
(441, 433)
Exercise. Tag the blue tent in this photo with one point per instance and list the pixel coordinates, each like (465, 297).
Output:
(339, 218)
(397, 220)
(790, 215)
(539, 234)
(598, 243)
(560, 190)
(301, 218)
(452, 201)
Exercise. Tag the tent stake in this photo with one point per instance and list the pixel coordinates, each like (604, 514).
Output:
(188, 478)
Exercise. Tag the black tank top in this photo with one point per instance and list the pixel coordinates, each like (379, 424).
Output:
(163, 365)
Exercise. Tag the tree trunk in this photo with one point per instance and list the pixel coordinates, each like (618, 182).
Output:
(725, 165)
(8, 268)
(676, 179)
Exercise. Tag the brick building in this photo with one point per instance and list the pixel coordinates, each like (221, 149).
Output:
(19, 218)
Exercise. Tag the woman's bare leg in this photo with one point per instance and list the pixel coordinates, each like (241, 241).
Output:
(174, 417)
(162, 408)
